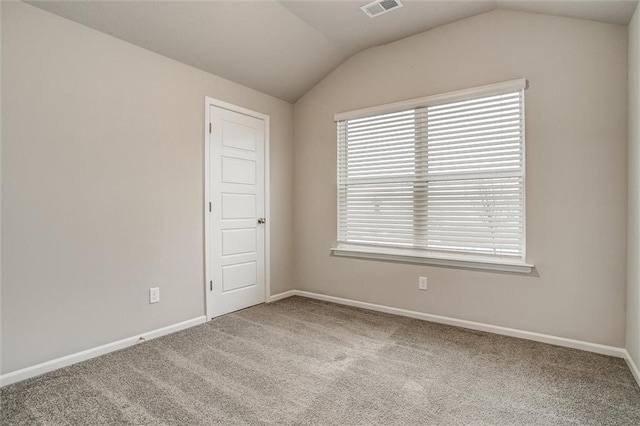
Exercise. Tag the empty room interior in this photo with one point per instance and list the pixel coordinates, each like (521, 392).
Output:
(394, 212)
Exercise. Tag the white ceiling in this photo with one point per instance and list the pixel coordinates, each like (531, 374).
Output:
(284, 48)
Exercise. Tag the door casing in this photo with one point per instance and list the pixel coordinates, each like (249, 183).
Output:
(209, 102)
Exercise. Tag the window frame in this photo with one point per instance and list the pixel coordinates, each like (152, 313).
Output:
(423, 256)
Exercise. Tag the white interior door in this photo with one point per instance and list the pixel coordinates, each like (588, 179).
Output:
(237, 211)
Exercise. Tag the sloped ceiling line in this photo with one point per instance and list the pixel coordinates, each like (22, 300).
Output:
(295, 43)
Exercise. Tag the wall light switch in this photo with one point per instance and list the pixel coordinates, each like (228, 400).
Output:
(154, 294)
(422, 283)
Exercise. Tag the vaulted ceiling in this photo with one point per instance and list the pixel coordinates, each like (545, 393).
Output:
(284, 48)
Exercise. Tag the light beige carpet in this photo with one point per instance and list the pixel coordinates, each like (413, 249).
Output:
(300, 361)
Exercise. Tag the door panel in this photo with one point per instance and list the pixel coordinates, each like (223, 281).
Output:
(238, 171)
(238, 206)
(239, 136)
(239, 275)
(237, 240)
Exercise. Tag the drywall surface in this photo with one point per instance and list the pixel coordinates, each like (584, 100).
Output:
(576, 130)
(0, 187)
(102, 186)
(633, 249)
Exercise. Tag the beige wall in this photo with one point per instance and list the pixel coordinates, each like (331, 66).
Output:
(576, 111)
(633, 255)
(102, 182)
(0, 189)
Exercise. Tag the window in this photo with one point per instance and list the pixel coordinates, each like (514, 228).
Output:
(439, 178)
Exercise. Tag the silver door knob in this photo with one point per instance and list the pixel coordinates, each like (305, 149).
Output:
(262, 220)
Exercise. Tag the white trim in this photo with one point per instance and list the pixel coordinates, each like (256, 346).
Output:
(506, 86)
(282, 295)
(231, 107)
(45, 367)
(524, 176)
(205, 202)
(632, 366)
(209, 102)
(65, 361)
(413, 256)
(505, 331)
(267, 210)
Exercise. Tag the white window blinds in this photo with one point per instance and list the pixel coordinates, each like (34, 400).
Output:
(444, 176)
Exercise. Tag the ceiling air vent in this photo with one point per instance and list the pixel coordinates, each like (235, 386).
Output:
(378, 7)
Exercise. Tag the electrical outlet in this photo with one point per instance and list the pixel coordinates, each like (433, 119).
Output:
(154, 294)
(422, 283)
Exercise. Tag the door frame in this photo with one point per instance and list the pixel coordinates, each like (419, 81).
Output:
(208, 103)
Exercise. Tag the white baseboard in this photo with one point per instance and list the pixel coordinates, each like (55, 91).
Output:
(282, 295)
(529, 335)
(65, 361)
(632, 366)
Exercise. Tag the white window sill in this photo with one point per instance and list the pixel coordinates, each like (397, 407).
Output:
(413, 256)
